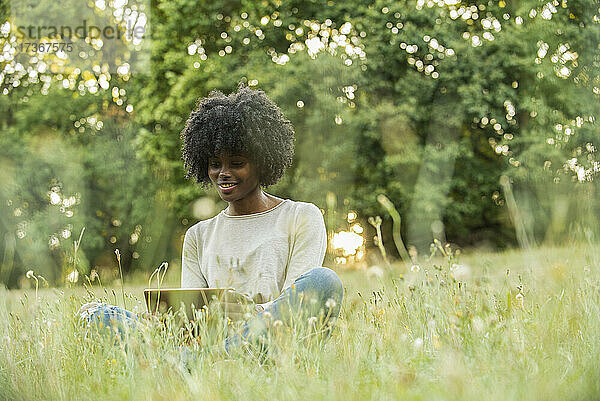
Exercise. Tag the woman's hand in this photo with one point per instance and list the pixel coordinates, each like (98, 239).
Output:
(236, 306)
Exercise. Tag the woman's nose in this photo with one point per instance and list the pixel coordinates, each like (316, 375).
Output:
(224, 171)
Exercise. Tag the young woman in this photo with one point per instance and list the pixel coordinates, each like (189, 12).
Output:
(267, 248)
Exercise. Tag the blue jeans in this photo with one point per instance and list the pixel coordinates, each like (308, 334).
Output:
(316, 294)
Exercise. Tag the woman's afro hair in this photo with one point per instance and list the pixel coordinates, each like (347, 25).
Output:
(245, 122)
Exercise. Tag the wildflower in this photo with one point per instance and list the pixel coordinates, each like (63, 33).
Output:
(312, 321)
(415, 268)
(277, 323)
(519, 299)
(266, 315)
(436, 341)
(412, 252)
(157, 272)
(93, 275)
(418, 343)
(44, 281)
(118, 254)
(330, 303)
(30, 275)
(73, 276)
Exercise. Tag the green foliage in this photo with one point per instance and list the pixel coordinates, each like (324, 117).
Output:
(435, 141)
(425, 102)
(65, 169)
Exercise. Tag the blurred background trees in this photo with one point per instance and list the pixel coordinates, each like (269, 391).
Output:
(431, 103)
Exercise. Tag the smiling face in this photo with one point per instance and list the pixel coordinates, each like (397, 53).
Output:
(234, 176)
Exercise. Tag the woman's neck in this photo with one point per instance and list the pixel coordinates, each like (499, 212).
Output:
(256, 202)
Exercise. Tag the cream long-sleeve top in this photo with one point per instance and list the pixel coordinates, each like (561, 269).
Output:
(257, 254)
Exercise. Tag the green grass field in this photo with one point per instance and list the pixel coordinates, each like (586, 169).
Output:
(508, 326)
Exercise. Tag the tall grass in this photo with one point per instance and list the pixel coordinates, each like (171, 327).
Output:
(453, 330)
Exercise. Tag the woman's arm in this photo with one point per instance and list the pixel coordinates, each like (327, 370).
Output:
(191, 276)
(310, 243)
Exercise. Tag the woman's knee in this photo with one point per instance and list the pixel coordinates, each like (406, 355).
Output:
(104, 315)
(328, 281)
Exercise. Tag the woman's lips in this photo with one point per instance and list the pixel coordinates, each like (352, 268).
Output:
(227, 189)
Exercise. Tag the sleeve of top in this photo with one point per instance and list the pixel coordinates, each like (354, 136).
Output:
(310, 243)
(191, 276)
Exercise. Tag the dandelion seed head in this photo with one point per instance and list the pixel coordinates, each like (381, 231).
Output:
(29, 274)
(460, 272)
(277, 323)
(375, 271)
(477, 324)
(330, 303)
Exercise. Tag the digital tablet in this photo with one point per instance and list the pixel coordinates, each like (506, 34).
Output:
(166, 300)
